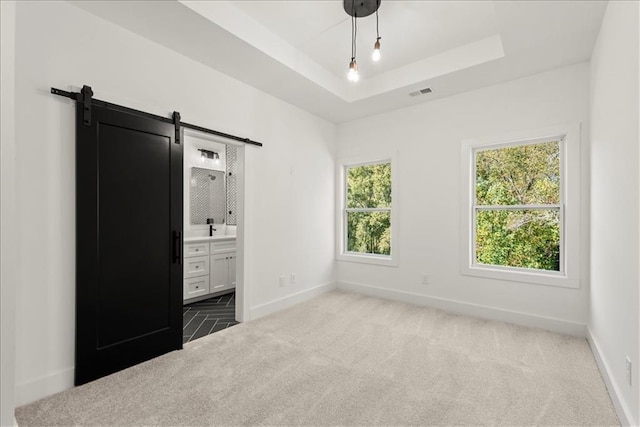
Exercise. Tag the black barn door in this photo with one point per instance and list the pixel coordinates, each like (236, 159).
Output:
(128, 254)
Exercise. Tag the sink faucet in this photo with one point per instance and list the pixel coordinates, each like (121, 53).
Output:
(211, 229)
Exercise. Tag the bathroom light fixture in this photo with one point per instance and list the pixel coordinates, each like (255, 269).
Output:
(359, 9)
(208, 154)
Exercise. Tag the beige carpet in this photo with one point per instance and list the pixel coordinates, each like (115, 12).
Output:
(349, 359)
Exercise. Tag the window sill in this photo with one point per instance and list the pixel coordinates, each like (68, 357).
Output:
(368, 259)
(522, 275)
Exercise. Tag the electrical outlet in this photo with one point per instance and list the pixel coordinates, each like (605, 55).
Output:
(425, 279)
(629, 370)
(292, 280)
(283, 281)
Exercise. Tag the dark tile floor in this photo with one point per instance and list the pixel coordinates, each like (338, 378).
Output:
(206, 317)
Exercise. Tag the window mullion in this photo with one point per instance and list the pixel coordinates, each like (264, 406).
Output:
(516, 207)
(368, 209)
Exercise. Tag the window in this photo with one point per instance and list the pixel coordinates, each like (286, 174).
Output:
(367, 213)
(517, 210)
(517, 224)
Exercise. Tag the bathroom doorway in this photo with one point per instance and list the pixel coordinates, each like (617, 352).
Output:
(213, 234)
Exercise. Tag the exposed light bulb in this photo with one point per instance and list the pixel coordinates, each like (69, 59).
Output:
(376, 50)
(353, 71)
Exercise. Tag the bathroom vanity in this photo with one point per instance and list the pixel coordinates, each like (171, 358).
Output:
(209, 267)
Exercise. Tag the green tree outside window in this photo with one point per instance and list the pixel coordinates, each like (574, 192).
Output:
(518, 206)
(368, 209)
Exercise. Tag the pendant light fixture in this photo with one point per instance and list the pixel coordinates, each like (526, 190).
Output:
(353, 65)
(359, 9)
(376, 46)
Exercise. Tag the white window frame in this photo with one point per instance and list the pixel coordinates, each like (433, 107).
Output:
(341, 216)
(569, 207)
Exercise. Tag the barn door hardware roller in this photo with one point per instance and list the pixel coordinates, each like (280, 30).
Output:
(84, 97)
(176, 123)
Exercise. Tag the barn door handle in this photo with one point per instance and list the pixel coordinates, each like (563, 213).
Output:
(177, 246)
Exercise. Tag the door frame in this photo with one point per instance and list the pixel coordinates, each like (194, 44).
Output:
(242, 291)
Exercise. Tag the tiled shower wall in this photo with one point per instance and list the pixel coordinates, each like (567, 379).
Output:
(232, 184)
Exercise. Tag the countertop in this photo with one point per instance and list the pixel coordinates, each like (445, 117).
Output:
(218, 238)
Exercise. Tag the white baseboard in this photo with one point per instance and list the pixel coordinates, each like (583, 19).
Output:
(626, 419)
(288, 301)
(44, 386)
(469, 309)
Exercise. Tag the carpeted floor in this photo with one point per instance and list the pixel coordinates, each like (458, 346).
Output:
(349, 359)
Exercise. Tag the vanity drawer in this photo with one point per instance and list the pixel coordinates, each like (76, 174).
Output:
(195, 287)
(223, 247)
(196, 249)
(196, 266)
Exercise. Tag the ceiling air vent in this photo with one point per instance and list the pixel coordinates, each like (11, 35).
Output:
(421, 92)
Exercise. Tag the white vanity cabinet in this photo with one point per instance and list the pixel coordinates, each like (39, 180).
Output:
(223, 262)
(195, 270)
(209, 267)
(223, 274)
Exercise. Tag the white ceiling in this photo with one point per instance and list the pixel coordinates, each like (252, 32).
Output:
(410, 30)
(299, 50)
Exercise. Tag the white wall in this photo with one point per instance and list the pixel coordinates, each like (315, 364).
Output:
(289, 182)
(614, 324)
(428, 139)
(7, 213)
